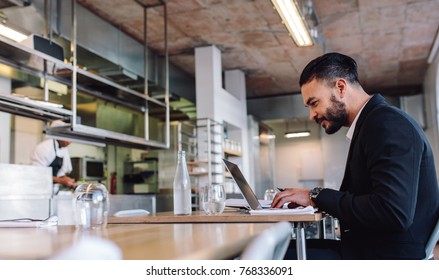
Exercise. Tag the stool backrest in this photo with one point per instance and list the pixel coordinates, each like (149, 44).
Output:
(271, 244)
(432, 241)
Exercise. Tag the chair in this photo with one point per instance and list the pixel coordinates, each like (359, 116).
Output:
(271, 244)
(90, 248)
(431, 243)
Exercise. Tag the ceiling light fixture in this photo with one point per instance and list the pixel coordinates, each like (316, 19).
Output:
(12, 34)
(297, 134)
(265, 138)
(294, 22)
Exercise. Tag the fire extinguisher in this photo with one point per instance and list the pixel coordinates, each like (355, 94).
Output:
(113, 183)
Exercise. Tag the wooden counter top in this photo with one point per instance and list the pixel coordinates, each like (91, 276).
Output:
(137, 241)
(160, 236)
(230, 216)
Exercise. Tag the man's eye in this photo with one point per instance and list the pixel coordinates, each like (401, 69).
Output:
(314, 104)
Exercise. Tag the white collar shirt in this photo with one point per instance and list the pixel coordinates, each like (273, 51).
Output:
(351, 130)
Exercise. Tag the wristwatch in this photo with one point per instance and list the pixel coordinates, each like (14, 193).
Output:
(314, 193)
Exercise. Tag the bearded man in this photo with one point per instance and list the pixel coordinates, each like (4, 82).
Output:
(388, 201)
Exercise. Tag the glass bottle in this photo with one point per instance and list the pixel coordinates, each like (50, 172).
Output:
(182, 187)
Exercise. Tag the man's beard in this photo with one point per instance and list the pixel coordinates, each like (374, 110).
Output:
(336, 116)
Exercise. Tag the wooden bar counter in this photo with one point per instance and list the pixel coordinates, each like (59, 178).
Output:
(160, 236)
(136, 241)
(228, 216)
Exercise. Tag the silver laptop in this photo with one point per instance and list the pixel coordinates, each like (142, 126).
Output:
(245, 188)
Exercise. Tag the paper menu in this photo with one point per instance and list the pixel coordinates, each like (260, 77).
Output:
(242, 203)
(283, 211)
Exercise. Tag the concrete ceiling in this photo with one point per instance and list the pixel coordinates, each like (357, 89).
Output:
(390, 39)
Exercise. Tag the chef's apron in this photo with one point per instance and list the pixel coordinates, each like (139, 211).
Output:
(56, 166)
(56, 163)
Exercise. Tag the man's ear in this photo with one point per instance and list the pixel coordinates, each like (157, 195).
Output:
(341, 87)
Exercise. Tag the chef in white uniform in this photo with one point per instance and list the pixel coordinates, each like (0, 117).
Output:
(54, 153)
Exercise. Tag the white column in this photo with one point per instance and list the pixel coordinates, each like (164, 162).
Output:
(234, 81)
(235, 94)
(222, 105)
(208, 80)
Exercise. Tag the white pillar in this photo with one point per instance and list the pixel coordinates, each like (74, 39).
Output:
(208, 80)
(235, 87)
(222, 105)
(235, 84)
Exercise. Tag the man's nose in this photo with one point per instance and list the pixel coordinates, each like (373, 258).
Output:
(312, 114)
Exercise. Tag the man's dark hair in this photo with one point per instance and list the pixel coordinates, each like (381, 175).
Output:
(329, 67)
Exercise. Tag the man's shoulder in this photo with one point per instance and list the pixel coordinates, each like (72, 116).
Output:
(392, 115)
(45, 144)
(389, 121)
(379, 105)
(43, 153)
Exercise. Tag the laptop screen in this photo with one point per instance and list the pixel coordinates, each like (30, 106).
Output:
(245, 188)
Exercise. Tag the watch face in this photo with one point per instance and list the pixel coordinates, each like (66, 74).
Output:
(314, 192)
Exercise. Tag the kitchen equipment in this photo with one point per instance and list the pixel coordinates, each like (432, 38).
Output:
(87, 169)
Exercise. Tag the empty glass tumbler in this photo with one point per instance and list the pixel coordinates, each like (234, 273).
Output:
(270, 194)
(213, 199)
(91, 204)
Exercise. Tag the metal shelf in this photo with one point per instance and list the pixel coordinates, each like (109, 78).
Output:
(197, 162)
(208, 152)
(19, 56)
(23, 56)
(42, 65)
(97, 135)
(232, 153)
(198, 173)
(32, 108)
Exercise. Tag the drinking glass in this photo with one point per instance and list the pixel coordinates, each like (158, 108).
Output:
(270, 194)
(91, 205)
(213, 199)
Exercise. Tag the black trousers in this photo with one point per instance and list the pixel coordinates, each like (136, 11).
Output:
(316, 249)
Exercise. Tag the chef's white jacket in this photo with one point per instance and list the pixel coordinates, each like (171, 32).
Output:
(44, 154)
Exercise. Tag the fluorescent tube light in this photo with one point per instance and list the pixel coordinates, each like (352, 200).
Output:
(293, 21)
(297, 134)
(11, 33)
(266, 137)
